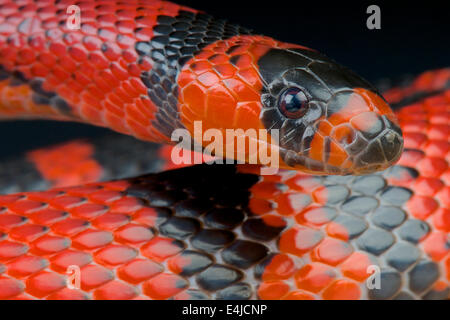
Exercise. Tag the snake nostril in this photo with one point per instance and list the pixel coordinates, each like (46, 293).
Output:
(392, 145)
(344, 135)
(348, 138)
(358, 145)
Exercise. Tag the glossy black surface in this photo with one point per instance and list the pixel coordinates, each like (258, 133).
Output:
(175, 41)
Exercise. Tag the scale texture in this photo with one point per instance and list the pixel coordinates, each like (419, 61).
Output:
(181, 235)
(145, 68)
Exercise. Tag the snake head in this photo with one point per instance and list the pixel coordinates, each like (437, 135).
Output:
(330, 120)
(327, 120)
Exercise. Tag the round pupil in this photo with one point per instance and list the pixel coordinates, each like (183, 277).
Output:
(293, 102)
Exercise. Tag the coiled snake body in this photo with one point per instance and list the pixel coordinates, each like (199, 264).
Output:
(146, 68)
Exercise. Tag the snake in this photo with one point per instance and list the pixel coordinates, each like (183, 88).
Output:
(359, 208)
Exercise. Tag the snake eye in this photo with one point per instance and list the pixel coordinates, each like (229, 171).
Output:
(293, 103)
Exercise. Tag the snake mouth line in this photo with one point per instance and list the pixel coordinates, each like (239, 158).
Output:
(364, 156)
(380, 153)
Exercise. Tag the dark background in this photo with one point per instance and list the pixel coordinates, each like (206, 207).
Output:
(414, 37)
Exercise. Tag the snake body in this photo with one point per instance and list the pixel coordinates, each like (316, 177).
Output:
(147, 68)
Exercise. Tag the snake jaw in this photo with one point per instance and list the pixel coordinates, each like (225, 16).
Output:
(380, 154)
(355, 151)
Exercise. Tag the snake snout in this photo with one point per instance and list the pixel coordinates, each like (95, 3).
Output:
(379, 152)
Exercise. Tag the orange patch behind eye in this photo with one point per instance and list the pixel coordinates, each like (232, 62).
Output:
(221, 87)
(67, 164)
(213, 89)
